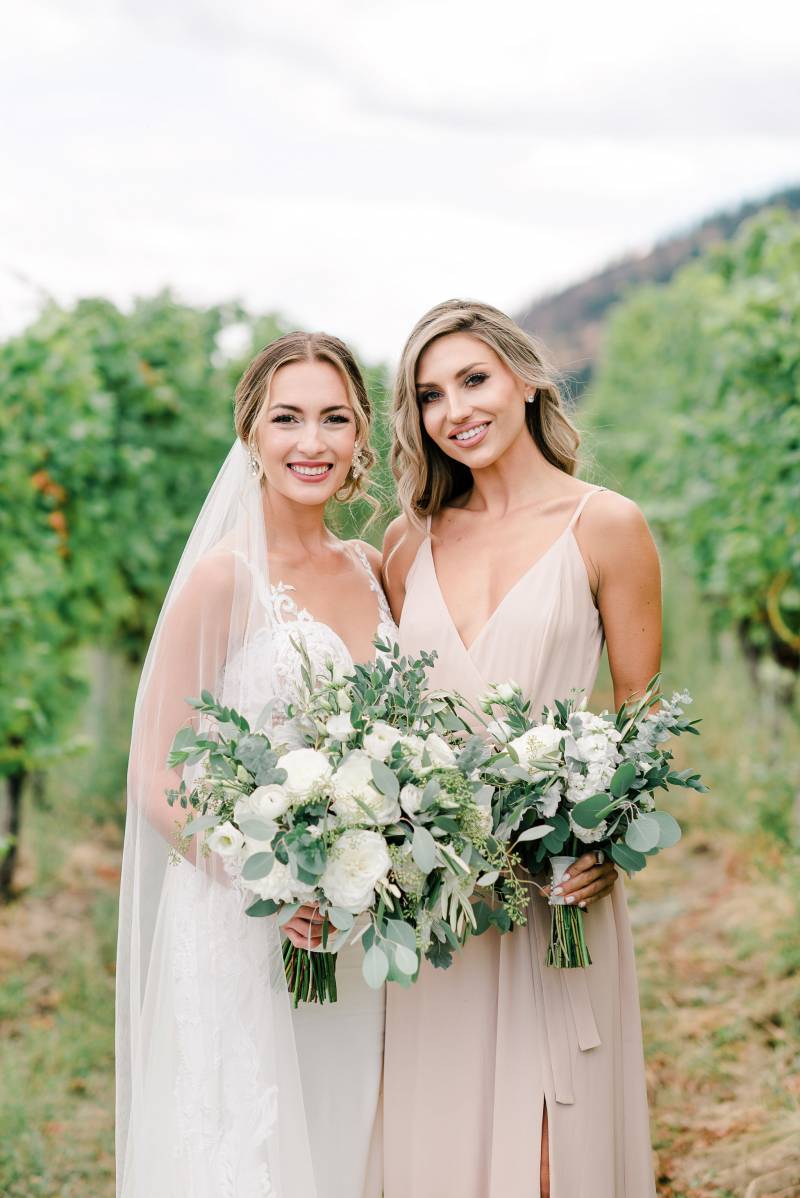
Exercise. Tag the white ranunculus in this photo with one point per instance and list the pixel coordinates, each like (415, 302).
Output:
(353, 781)
(380, 740)
(540, 743)
(280, 886)
(226, 840)
(266, 802)
(589, 835)
(357, 862)
(438, 750)
(306, 771)
(410, 798)
(339, 726)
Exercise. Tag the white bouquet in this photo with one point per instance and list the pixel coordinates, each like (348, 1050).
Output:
(380, 814)
(592, 779)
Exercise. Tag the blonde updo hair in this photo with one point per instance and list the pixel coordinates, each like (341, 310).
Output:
(252, 394)
(427, 478)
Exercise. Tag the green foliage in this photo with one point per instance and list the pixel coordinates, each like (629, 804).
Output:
(696, 411)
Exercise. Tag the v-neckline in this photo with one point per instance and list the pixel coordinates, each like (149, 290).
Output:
(469, 648)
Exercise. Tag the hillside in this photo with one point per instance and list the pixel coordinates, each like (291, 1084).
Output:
(570, 322)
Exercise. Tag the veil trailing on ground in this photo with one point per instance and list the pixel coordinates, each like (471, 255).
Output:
(209, 1101)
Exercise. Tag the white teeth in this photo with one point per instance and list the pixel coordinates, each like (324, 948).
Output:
(471, 433)
(309, 469)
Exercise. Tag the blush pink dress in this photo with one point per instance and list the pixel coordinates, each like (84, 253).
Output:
(473, 1053)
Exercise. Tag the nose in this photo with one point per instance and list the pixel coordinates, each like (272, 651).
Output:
(311, 442)
(459, 405)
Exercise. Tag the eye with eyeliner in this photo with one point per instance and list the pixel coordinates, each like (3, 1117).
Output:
(288, 418)
(475, 379)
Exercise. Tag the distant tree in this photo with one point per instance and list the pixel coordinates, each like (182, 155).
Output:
(696, 411)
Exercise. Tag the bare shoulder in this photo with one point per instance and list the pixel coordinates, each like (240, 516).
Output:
(215, 571)
(614, 517)
(373, 555)
(616, 542)
(401, 544)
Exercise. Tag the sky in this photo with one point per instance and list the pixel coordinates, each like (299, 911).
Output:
(351, 163)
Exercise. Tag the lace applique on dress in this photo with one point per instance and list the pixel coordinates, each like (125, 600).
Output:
(273, 662)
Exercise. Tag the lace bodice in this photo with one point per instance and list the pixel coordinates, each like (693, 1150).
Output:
(273, 663)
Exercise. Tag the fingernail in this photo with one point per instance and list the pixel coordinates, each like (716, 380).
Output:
(570, 898)
(582, 905)
(557, 890)
(565, 877)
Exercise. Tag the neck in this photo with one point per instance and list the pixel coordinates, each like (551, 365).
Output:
(294, 529)
(520, 477)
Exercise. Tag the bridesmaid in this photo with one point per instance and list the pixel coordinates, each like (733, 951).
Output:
(503, 1078)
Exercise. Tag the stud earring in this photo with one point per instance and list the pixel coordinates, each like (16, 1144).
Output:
(530, 398)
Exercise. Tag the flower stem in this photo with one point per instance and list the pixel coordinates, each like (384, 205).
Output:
(310, 976)
(568, 948)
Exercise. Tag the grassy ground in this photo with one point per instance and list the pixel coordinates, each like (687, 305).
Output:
(719, 960)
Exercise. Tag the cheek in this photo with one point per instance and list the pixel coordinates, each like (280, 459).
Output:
(430, 421)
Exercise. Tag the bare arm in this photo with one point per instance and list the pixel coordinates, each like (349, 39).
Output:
(400, 545)
(625, 574)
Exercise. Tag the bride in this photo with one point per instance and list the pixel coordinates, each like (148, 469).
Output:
(224, 1091)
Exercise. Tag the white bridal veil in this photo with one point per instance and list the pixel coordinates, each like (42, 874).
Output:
(209, 1102)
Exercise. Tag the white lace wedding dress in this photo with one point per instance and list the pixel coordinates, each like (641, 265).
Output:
(216, 1072)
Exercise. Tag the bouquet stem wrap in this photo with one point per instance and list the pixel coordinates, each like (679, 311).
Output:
(567, 948)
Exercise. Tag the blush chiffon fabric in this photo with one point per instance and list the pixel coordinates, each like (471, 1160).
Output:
(474, 1053)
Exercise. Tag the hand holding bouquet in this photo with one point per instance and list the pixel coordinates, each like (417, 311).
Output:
(593, 779)
(376, 811)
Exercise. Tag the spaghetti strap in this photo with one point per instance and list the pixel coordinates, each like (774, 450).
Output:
(581, 505)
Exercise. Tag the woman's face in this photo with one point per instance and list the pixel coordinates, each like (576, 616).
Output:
(471, 404)
(306, 433)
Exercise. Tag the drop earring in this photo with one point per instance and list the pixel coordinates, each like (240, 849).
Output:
(357, 465)
(255, 465)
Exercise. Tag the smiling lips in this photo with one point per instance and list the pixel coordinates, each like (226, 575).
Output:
(310, 472)
(471, 434)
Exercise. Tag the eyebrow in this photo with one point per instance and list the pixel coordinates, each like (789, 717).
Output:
(459, 373)
(288, 407)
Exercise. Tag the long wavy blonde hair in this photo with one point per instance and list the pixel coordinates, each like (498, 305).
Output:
(426, 478)
(252, 395)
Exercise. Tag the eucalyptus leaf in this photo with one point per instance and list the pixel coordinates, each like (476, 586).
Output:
(623, 779)
(341, 919)
(643, 833)
(200, 824)
(375, 967)
(536, 833)
(406, 958)
(423, 849)
(401, 933)
(385, 779)
(255, 828)
(257, 866)
(669, 828)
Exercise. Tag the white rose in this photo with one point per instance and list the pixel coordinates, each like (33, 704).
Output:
(353, 781)
(267, 802)
(410, 798)
(438, 750)
(306, 770)
(358, 860)
(280, 886)
(339, 726)
(380, 740)
(540, 743)
(226, 840)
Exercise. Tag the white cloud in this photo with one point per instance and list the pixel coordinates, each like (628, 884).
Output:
(352, 163)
